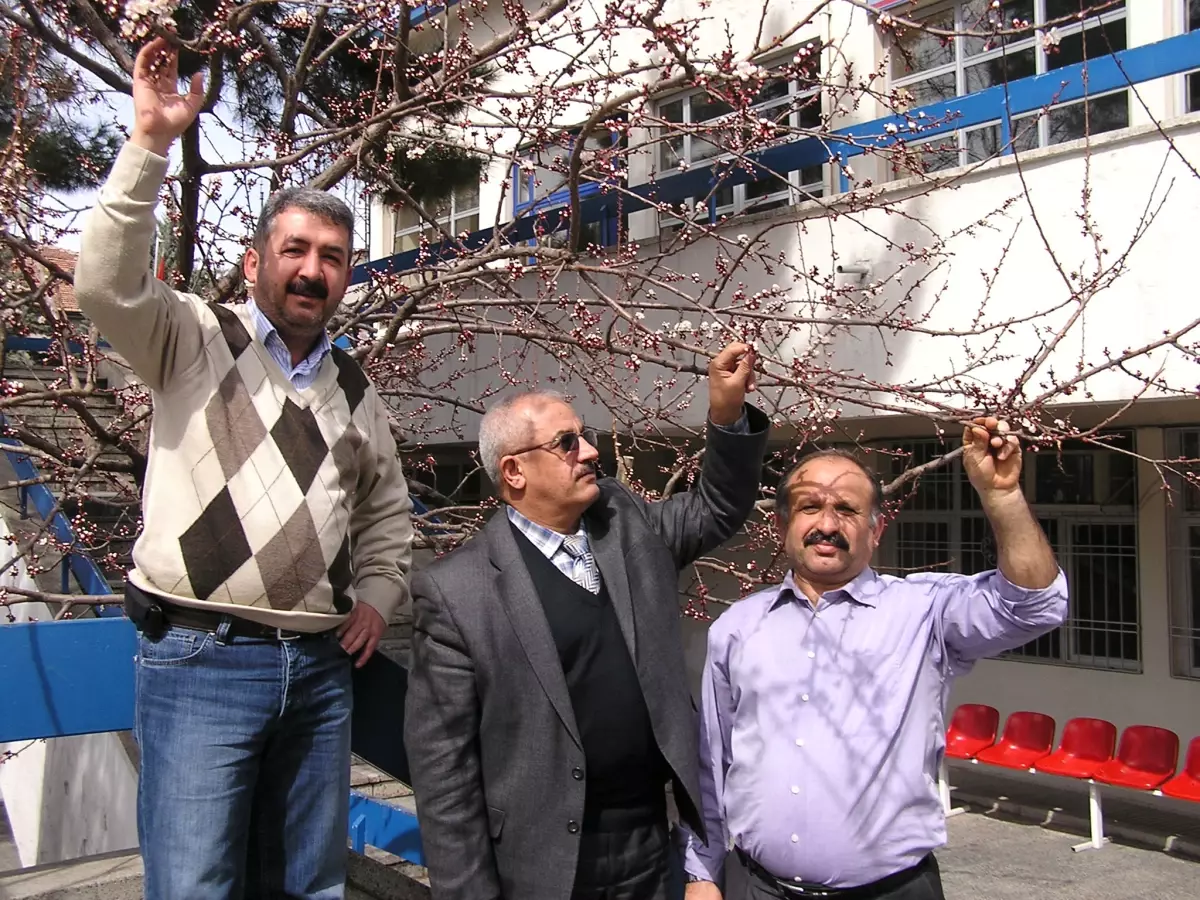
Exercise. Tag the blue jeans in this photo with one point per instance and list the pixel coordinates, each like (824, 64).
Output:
(245, 773)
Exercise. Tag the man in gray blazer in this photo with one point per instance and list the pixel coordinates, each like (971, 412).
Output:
(548, 706)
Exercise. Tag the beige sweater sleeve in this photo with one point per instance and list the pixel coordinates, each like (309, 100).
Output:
(145, 321)
(381, 532)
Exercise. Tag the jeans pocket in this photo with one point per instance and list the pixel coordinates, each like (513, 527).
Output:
(178, 647)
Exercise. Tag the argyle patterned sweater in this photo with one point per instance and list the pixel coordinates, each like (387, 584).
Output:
(279, 505)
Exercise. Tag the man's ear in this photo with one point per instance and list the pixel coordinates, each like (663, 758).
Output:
(512, 474)
(878, 529)
(250, 265)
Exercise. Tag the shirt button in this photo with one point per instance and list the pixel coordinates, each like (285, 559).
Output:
(799, 742)
(795, 788)
(812, 655)
(577, 773)
(795, 838)
(573, 827)
(804, 697)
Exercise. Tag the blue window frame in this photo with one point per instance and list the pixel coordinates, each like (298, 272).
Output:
(699, 126)
(540, 177)
(926, 68)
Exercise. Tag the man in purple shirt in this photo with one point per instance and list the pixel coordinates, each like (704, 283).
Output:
(821, 723)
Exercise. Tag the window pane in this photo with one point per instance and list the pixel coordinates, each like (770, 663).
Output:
(931, 90)
(923, 545)
(774, 89)
(978, 546)
(1090, 43)
(934, 156)
(984, 143)
(467, 197)
(1056, 9)
(466, 223)
(982, 15)
(670, 152)
(1001, 69)
(407, 217)
(1194, 577)
(1104, 611)
(809, 114)
(1108, 113)
(1193, 99)
(1193, 15)
(1066, 478)
(705, 107)
(406, 242)
(919, 51)
(935, 489)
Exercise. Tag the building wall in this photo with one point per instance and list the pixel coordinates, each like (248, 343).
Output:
(65, 797)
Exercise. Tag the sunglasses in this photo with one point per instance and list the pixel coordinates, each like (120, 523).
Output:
(568, 442)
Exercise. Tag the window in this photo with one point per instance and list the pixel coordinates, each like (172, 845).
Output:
(1084, 498)
(540, 181)
(1193, 79)
(461, 482)
(701, 127)
(934, 69)
(455, 215)
(1184, 552)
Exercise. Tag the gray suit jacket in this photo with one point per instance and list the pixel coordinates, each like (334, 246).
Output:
(491, 736)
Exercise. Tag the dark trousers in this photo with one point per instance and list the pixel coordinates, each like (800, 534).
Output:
(743, 884)
(627, 863)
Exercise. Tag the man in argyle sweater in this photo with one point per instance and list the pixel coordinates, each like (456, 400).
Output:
(277, 535)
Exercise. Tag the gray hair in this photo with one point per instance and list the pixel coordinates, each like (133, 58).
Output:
(321, 204)
(502, 430)
(783, 493)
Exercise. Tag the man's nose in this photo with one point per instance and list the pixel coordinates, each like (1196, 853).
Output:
(587, 452)
(310, 266)
(827, 521)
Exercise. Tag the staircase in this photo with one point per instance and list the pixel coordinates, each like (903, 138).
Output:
(102, 507)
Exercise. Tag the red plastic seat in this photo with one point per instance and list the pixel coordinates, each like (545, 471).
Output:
(1086, 745)
(1186, 785)
(1146, 757)
(973, 728)
(1027, 738)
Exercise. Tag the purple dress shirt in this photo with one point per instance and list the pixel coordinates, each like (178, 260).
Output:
(821, 732)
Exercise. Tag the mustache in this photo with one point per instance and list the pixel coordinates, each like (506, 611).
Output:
(309, 287)
(834, 538)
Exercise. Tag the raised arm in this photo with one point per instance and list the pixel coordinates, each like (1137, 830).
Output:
(697, 521)
(441, 735)
(1027, 596)
(141, 317)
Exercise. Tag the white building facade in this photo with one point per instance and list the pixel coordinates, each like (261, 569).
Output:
(1115, 170)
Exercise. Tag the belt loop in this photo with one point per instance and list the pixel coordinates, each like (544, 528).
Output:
(223, 630)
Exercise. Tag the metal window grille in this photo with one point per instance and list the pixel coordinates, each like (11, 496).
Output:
(1084, 500)
(932, 69)
(1184, 553)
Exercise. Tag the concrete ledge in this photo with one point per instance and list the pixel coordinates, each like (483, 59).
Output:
(118, 876)
(113, 876)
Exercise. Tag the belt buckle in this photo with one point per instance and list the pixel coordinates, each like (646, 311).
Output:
(282, 635)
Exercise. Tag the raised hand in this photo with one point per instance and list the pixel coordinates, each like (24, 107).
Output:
(160, 112)
(991, 456)
(730, 378)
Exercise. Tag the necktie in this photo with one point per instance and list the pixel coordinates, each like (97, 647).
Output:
(586, 574)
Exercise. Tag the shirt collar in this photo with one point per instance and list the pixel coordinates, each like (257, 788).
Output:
(863, 589)
(547, 539)
(268, 334)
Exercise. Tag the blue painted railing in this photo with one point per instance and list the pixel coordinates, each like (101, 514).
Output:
(1171, 56)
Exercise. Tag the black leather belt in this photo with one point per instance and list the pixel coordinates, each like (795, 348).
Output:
(152, 615)
(785, 888)
(203, 620)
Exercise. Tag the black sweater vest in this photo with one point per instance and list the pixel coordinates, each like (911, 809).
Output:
(624, 765)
